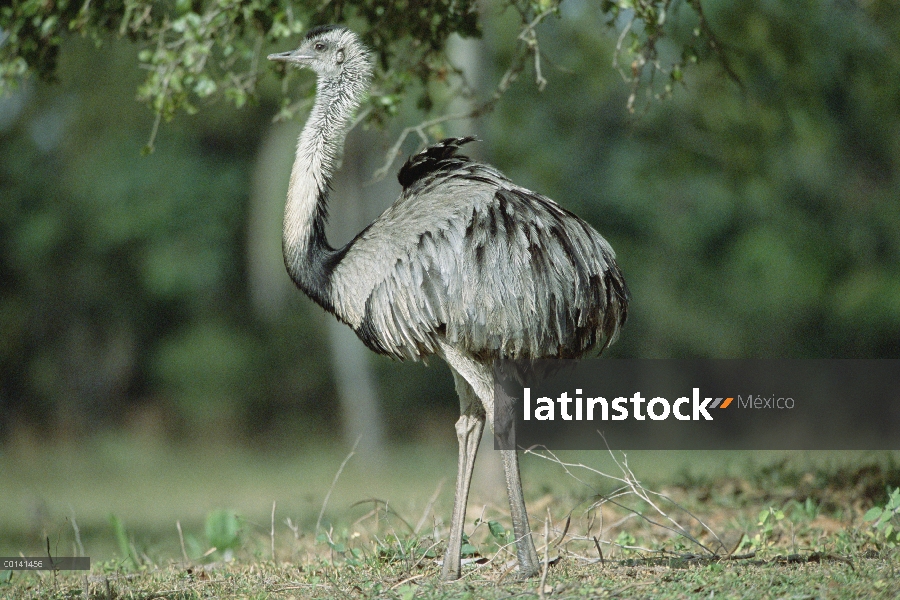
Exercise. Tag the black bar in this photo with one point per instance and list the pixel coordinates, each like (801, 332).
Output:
(42, 563)
(714, 404)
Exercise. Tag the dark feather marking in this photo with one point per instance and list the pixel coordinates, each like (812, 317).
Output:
(439, 157)
(368, 332)
(479, 256)
(492, 219)
(470, 226)
(506, 214)
(472, 176)
(316, 31)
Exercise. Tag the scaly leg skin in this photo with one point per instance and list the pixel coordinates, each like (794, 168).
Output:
(469, 428)
(529, 565)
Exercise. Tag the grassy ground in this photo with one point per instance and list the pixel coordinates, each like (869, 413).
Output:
(696, 525)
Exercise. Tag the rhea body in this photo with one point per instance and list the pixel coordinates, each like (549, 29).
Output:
(465, 265)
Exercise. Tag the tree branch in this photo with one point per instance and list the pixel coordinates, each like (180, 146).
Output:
(714, 43)
(527, 44)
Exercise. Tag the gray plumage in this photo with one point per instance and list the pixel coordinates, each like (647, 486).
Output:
(465, 264)
(488, 266)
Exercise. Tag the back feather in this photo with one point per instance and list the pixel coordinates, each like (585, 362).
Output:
(437, 157)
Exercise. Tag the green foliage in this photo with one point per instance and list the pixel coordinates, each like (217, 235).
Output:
(807, 510)
(499, 532)
(467, 548)
(767, 521)
(625, 541)
(406, 592)
(644, 27)
(116, 259)
(886, 521)
(195, 50)
(126, 548)
(223, 531)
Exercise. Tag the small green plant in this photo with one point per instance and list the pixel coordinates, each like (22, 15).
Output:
(499, 532)
(766, 523)
(625, 541)
(806, 510)
(467, 548)
(339, 545)
(499, 535)
(126, 549)
(223, 531)
(886, 521)
(407, 591)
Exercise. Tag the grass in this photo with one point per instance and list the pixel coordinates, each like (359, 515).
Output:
(198, 522)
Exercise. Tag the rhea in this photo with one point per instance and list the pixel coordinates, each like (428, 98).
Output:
(465, 265)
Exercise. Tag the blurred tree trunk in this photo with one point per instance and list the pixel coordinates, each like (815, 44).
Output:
(270, 286)
(268, 281)
(351, 210)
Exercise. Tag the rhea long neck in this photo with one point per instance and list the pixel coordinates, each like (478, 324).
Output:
(308, 257)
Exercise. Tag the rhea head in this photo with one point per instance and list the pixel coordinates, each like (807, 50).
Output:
(333, 52)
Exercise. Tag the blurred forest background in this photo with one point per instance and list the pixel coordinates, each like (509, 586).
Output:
(145, 293)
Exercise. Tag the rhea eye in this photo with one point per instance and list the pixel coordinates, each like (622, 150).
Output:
(319, 46)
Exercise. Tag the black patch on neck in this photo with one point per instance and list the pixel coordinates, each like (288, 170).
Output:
(312, 273)
(441, 156)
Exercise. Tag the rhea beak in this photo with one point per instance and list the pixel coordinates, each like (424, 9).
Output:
(292, 56)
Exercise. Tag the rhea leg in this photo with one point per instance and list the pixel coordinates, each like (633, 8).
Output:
(469, 428)
(480, 380)
(525, 550)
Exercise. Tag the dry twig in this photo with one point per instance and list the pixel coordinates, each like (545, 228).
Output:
(631, 486)
(334, 482)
